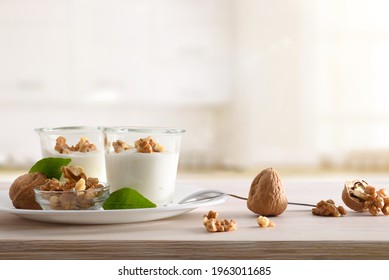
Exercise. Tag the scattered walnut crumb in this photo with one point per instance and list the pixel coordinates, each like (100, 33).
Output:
(213, 225)
(328, 208)
(265, 222)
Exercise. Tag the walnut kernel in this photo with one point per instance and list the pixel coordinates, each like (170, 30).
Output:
(264, 222)
(211, 215)
(78, 192)
(148, 145)
(376, 201)
(328, 208)
(120, 145)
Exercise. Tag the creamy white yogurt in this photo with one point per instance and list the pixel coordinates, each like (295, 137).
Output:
(151, 174)
(92, 162)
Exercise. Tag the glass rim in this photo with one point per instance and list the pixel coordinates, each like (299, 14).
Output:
(142, 129)
(74, 129)
(105, 187)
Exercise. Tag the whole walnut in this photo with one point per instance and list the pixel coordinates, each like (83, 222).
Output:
(22, 193)
(267, 196)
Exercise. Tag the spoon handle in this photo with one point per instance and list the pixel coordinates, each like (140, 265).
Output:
(290, 203)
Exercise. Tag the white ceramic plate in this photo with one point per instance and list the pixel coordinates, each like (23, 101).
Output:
(114, 216)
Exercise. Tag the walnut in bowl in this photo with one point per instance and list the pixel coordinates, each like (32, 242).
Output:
(79, 192)
(72, 199)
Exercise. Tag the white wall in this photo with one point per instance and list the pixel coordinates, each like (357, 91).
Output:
(81, 62)
(254, 82)
(274, 93)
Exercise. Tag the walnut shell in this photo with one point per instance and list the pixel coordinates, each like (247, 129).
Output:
(267, 196)
(22, 193)
(352, 201)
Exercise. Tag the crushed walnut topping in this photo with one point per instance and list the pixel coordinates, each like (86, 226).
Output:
(143, 145)
(83, 146)
(148, 145)
(120, 145)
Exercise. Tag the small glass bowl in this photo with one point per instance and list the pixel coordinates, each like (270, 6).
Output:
(90, 199)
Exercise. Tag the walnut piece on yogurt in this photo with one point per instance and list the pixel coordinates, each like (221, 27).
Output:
(148, 145)
(83, 146)
(120, 145)
(143, 145)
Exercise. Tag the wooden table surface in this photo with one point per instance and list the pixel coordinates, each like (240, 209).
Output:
(297, 235)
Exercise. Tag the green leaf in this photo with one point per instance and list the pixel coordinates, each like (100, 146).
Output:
(127, 198)
(50, 167)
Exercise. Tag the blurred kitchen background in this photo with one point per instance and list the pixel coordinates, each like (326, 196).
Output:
(302, 86)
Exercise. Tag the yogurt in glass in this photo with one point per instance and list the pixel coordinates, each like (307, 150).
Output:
(92, 161)
(149, 169)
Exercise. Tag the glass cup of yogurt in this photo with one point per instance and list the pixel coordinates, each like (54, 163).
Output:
(143, 158)
(83, 144)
